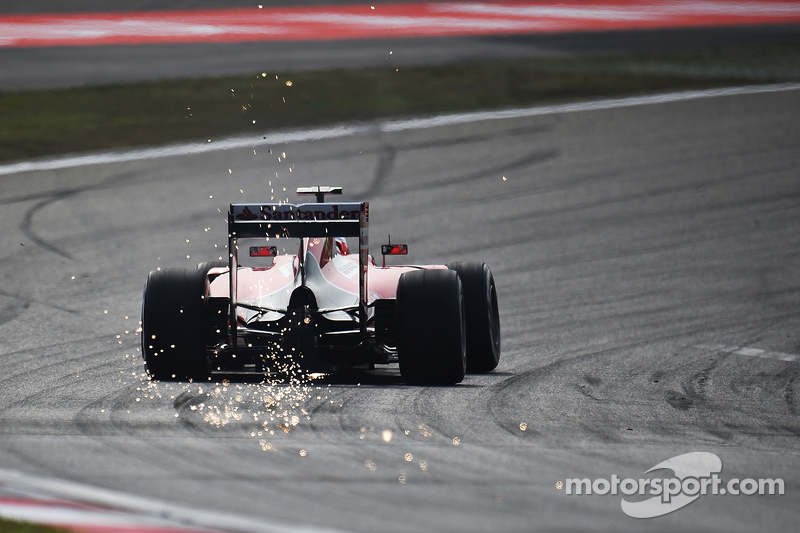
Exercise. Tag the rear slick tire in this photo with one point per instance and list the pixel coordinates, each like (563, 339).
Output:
(173, 319)
(481, 315)
(432, 336)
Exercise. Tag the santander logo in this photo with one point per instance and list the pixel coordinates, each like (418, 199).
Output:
(310, 212)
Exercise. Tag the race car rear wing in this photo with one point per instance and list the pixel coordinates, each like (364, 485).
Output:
(343, 219)
(297, 220)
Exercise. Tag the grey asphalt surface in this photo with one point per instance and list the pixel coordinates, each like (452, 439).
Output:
(636, 250)
(640, 255)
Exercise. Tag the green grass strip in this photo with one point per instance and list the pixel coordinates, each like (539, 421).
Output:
(50, 122)
(10, 526)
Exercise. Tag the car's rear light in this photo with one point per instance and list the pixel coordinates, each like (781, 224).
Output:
(394, 249)
(263, 251)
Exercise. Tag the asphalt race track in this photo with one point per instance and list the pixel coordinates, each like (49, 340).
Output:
(647, 266)
(646, 258)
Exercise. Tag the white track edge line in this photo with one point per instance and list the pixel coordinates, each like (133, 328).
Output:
(341, 131)
(750, 352)
(145, 507)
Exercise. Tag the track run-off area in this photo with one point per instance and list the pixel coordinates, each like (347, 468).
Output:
(385, 20)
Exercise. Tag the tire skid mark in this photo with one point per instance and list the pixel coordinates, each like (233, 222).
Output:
(50, 348)
(26, 226)
(769, 198)
(399, 147)
(63, 382)
(53, 359)
(387, 154)
(537, 188)
(27, 222)
(534, 158)
(10, 312)
(693, 390)
(25, 302)
(386, 158)
(789, 394)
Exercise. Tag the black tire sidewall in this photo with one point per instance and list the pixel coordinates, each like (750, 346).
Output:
(173, 319)
(430, 314)
(481, 316)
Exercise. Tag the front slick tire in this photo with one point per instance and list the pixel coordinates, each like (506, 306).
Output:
(430, 314)
(173, 316)
(482, 316)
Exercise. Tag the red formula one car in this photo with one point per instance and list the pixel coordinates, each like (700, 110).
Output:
(321, 309)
